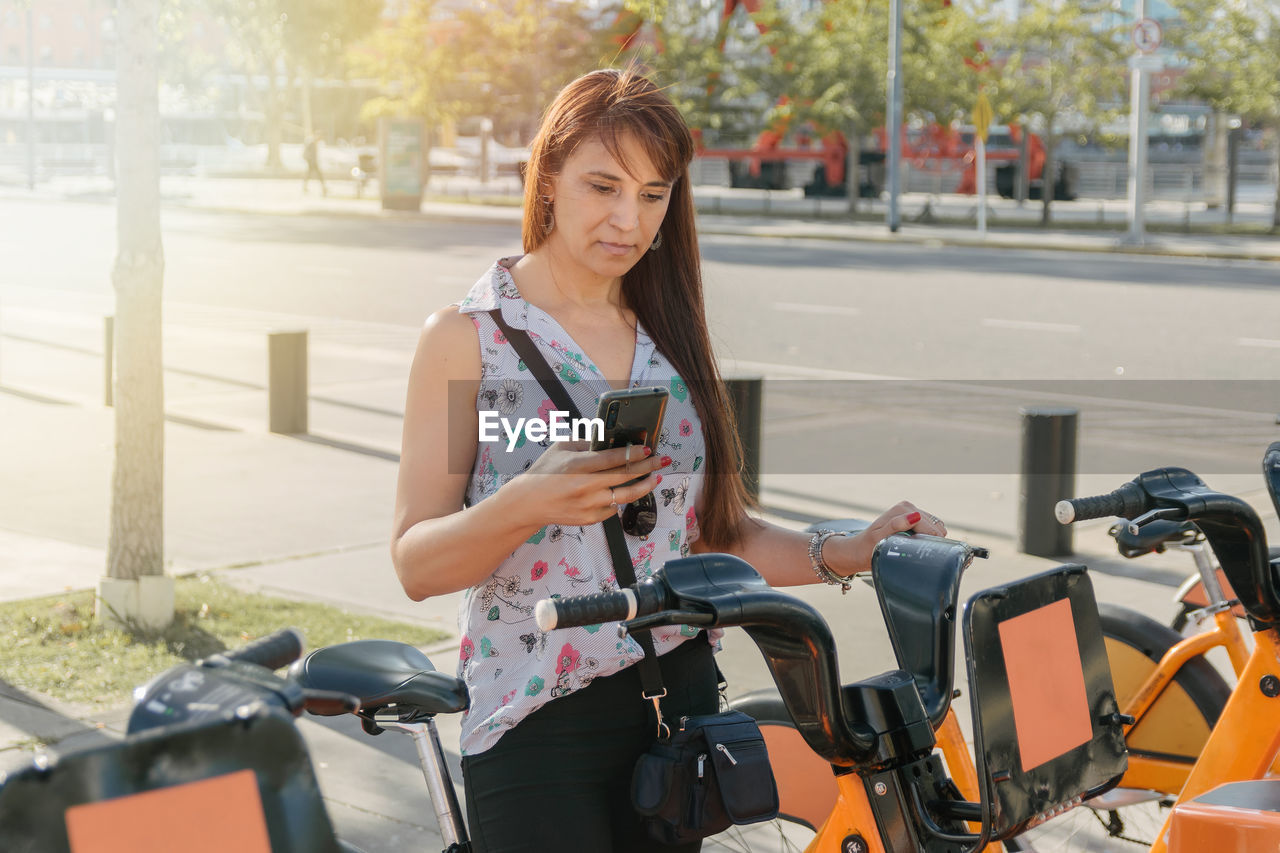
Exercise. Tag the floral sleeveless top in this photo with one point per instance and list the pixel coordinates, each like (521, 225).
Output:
(510, 667)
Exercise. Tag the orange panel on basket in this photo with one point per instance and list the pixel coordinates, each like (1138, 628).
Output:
(1046, 683)
(210, 816)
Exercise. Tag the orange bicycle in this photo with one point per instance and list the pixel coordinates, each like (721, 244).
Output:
(887, 766)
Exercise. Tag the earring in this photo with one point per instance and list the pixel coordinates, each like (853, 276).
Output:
(551, 223)
(657, 243)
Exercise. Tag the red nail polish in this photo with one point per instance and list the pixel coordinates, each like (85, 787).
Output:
(648, 451)
(659, 479)
(913, 518)
(666, 460)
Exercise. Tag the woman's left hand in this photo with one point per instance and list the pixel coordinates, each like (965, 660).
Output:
(847, 555)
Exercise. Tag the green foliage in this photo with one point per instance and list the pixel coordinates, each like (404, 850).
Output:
(315, 34)
(683, 49)
(1059, 60)
(824, 64)
(944, 49)
(304, 35)
(410, 65)
(1232, 51)
(830, 62)
(55, 647)
(504, 60)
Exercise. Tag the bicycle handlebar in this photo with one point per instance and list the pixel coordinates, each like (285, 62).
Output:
(1231, 527)
(270, 652)
(1127, 501)
(575, 611)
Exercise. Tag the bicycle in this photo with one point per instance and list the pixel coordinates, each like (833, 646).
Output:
(1161, 678)
(1172, 728)
(901, 771)
(1241, 748)
(1166, 666)
(221, 731)
(1243, 745)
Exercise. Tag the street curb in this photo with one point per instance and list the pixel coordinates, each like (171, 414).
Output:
(483, 214)
(940, 241)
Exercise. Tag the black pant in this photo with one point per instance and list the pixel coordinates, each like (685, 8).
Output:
(561, 779)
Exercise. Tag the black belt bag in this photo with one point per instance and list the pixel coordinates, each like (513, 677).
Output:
(714, 770)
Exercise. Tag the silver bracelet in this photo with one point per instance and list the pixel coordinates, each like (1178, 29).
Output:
(820, 568)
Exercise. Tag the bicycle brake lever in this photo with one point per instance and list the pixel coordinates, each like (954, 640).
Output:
(664, 617)
(1163, 513)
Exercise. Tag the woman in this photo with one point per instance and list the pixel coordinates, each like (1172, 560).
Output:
(610, 291)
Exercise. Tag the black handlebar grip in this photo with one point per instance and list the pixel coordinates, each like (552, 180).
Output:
(578, 610)
(272, 651)
(1126, 502)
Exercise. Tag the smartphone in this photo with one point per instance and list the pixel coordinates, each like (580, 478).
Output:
(631, 416)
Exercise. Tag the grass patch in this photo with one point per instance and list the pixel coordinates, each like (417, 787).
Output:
(55, 647)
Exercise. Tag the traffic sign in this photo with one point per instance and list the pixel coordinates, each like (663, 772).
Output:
(1146, 62)
(982, 117)
(1147, 35)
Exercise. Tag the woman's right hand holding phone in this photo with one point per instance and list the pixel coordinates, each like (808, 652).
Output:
(572, 485)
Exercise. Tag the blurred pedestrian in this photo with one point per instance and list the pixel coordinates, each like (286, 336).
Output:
(311, 153)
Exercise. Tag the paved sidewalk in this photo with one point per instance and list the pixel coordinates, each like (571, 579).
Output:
(309, 516)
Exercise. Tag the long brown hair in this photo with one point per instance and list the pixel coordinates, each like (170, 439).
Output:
(664, 288)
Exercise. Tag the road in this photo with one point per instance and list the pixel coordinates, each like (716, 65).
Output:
(881, 309)
(1147, 342)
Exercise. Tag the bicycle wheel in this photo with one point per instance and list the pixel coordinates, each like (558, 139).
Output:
(806, 786)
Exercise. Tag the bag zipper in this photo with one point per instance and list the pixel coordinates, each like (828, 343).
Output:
(702, 760)
(727, 754)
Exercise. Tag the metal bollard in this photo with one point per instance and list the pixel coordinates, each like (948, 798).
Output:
(1048, 476)
(108, 360)
(746, 395)
(287, 382)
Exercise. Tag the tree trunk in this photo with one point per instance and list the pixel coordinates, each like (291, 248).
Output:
(136, 546)
(1216, 166)
(1046, 175)
(852, 169)
(1275, 210)
(272, 117)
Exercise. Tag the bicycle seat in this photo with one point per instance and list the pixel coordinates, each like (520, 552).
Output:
(381, 673)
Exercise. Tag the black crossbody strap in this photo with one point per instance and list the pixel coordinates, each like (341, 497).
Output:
(650, 672)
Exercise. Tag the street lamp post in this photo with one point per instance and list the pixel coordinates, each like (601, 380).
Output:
(31, 103)
(1139, 103)
(893, 115)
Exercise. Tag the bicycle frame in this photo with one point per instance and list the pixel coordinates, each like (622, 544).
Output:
(1158, 774)
(1245, 742)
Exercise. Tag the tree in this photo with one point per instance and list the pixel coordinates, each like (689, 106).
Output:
(1058, 62)
(136, 546)
(684, 48)
(832, 62)
(291, 37)
(1233, 61)
(315, 37)
(410, 64)
(504, 60)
